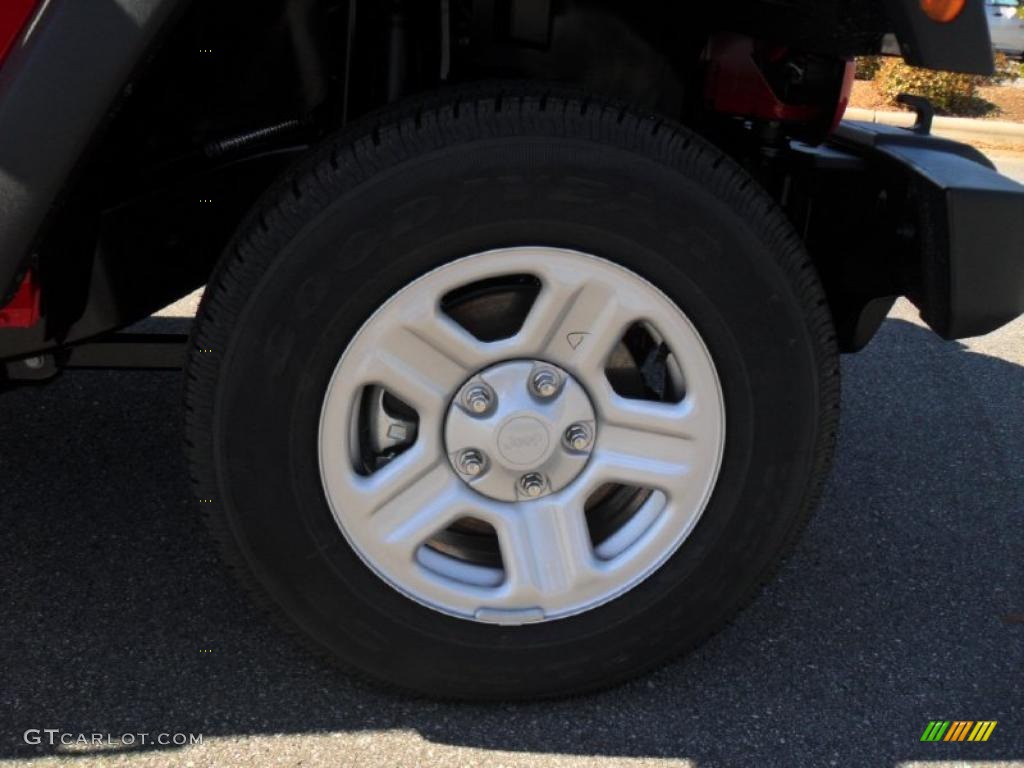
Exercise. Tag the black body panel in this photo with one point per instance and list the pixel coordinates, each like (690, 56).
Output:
(968, 227)
(56, 90)
(963, 45)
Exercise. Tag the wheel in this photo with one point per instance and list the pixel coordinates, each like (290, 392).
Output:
(507, 396)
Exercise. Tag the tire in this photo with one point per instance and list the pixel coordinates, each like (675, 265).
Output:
(377, 209)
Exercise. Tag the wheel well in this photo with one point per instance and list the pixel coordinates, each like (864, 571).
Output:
(236, 91)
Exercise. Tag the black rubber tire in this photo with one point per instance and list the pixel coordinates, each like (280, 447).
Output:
(378, 206)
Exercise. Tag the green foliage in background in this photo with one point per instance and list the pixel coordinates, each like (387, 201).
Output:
(951, 93)
(1006, 70)
(867, 67)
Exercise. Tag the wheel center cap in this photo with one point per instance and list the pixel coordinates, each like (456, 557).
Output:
(523, 441)
(520, 430)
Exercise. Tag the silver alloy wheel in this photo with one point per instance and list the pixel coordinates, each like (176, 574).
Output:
(551, 564)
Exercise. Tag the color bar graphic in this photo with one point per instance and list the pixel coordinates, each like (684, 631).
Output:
(958, 730)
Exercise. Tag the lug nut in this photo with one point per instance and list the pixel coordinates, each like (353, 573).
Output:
(471, 463)
(532, 484)
(578, 437)
(545, 383)
(479, 399)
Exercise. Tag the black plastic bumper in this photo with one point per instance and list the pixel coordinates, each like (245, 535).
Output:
(965, 222)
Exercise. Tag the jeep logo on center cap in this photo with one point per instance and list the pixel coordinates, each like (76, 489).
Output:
(523, 441)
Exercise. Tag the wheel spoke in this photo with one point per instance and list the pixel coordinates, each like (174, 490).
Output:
(423, 362)
(445, 337)
(577, 322)
(547, 549)
(685, 420)
(394, 479)
(420, 506)
(645, 443)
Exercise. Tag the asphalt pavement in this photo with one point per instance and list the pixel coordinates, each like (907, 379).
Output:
(904, 602)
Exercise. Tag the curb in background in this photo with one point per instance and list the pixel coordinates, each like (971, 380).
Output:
(990, 133)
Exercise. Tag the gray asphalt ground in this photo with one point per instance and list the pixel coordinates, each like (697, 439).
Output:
(904, 602)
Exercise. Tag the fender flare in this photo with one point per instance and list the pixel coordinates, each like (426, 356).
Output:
(57, 88)
(962, 45)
